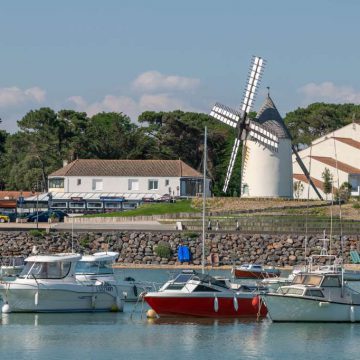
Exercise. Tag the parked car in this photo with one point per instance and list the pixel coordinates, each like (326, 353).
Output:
(11, 215)
(4, 218)
(44, 216)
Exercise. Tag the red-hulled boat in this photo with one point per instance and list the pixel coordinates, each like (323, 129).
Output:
(255, 271)
(195, 294)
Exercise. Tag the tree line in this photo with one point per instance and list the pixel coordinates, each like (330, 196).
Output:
(45, 138)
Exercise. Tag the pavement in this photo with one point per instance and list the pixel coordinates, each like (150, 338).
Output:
(132, 226)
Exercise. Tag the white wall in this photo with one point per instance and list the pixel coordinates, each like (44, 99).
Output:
(120, 184)
(268, 173)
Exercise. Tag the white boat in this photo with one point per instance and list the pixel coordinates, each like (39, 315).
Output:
(11, 265)
(98, 269)
(48, 284)
(315, 297)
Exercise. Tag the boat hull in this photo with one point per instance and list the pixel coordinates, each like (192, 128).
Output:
(205, 306)
(251, 274)
(299, 309)
(66, 298)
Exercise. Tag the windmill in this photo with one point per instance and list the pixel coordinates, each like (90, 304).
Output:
(267, 140)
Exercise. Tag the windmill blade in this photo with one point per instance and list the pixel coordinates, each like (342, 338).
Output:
(305, 171)
(264, 136)
(225, 114)
(257, 68)
(234, 153)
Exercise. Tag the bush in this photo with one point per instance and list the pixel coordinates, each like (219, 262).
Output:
(163, 251)
(36, 232)
(191, 235)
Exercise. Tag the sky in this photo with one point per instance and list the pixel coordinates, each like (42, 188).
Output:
(135, 55)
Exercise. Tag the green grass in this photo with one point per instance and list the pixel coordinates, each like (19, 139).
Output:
(154, 209)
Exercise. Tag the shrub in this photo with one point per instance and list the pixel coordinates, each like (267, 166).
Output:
(36, 232)
(191, 235)
(163, 251)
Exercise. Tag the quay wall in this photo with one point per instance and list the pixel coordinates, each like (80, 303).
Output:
(139, 248)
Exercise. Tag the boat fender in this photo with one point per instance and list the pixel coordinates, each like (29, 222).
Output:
(135, 291)
(236, 304)
(255, 301)
(352, 314)
(216, 304)
(36, 298)
(6, 308)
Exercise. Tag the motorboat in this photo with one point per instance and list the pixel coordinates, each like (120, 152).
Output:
(48, 284)
(11, 265)
(255, 271)
(98, 268)
(192, 293)
(316, 297)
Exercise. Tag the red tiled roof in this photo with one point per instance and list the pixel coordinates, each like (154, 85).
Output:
(95, 167)
(301, 177)
(349, 141)
(14, 195)
(337, 164)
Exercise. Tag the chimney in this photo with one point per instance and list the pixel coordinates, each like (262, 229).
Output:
(65, 162)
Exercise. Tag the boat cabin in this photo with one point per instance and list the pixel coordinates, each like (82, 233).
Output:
(97, 264)
(193, 281)
(58, 266)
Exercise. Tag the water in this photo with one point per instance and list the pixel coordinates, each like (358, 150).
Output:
(118, 336)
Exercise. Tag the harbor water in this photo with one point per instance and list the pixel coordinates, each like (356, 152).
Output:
(129, 335)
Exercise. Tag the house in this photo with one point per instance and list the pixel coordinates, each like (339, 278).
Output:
(94, 184)
(339, 152)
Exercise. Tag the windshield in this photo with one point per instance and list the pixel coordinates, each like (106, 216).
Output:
(94, 267)
(46, 270)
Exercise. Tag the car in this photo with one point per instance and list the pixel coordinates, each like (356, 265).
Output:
(44, 216)
(4, 218)
(10, 215)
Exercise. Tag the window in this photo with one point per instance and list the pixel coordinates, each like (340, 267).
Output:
(78, 182)
(77, 205)
(94, 205)
(56, 183)
(153, 184)
(316, 293)
(133, 184)
(112, 205)
(97, 184)
(46, 270)
(203, 288)
(331, 281)
(167, 182)
(59, 205)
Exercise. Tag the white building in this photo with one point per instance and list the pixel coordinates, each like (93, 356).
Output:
(104, 184)
(266, 171)
(338, 151)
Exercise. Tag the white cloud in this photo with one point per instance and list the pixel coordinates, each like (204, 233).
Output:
(329, 92)
(146, 98)
(14, 96)
(155, 81)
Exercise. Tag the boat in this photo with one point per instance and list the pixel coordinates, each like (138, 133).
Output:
(314, 297)
(192, 293)
(11, 266)
(48, 284)
(98, 269)
(254, 271)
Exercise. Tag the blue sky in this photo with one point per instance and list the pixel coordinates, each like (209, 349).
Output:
(137, 55)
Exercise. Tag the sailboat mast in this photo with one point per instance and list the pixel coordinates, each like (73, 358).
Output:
(204, 204)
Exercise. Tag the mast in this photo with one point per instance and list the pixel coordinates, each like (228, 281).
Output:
(204, 205)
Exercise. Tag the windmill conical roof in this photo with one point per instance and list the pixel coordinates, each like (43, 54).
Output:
(269, 117)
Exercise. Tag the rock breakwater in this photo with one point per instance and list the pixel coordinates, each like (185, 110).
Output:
(141, 248)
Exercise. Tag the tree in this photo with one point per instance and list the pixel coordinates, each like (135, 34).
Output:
(344, 193)
(298, 187)
(328, 179)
